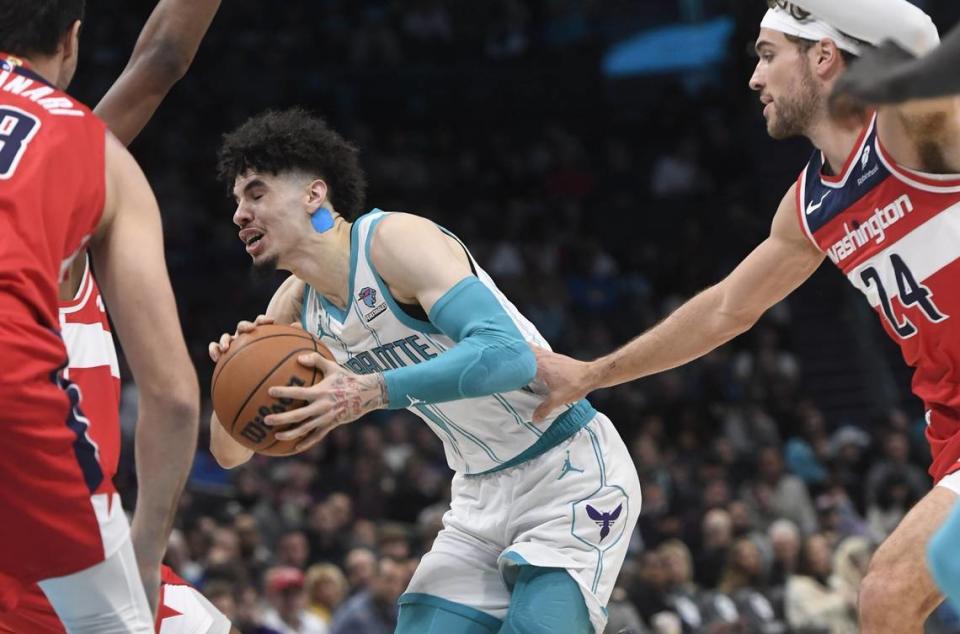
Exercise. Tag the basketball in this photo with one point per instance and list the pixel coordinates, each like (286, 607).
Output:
(255, 362)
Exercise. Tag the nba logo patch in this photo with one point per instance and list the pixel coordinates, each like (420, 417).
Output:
(368, 296)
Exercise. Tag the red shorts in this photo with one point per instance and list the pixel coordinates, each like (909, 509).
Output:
(943, 434)
(53, 525)
(35, 615)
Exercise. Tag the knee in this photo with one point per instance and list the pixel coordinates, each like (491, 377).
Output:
(878, 593)
(882, 597)
(546, 600)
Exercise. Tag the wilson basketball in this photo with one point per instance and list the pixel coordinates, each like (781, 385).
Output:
(255, 362)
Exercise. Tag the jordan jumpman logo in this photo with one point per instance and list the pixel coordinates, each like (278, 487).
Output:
(568, 467)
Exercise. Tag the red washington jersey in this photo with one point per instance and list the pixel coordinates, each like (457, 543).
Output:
(895, 234)
(92, 366)
(52, 190)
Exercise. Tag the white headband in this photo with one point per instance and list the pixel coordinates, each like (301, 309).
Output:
(809, 28)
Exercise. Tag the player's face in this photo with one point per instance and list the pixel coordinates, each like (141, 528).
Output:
(269, 213)
(788, 91)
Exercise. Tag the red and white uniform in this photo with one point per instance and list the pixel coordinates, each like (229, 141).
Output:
(181, 610)
(93, 369)
(52, 192)
(895, 234)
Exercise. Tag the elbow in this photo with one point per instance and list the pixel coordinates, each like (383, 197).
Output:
(227, 459)
(732, 324)
(505, 366)
(165, 64)
(178, 404)
(527, 363)
(520, 368)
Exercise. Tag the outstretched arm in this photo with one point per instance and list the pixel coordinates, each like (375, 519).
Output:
(128, 254)
(163, 53)
(890, 74)
(421, 265)
(771, 272)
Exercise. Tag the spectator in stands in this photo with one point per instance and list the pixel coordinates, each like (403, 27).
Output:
(895, 466)
(293, 550)
(813, 601)
(288, 612)
(682, 595)
(326, 589)
(361, 568)
(743, 582)
(773, 494)
(648, 591)
(374, 611)
(716, 539)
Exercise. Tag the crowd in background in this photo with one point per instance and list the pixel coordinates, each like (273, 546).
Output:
(597, 205)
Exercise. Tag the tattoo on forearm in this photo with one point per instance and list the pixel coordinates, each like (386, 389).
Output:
(353, 396)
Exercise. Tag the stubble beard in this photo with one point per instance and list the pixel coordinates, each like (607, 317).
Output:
(796, 113)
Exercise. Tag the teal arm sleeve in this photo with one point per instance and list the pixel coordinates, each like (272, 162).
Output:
(943, 557)
(490, 356)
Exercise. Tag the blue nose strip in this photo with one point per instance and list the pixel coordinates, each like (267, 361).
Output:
(322, 220)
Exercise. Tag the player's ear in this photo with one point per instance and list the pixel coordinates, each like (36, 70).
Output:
(316, 194)
(70, 43)
(829, 59)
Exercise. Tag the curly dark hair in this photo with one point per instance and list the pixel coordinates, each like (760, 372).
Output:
(35, 27)
(286, 140)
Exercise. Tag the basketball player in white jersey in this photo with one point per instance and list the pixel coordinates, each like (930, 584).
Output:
(541, 513)
(882, 202)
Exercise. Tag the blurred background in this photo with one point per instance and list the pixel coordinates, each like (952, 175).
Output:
(604, 160)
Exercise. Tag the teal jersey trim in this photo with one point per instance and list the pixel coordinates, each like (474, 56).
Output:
(484, 619)
(566, 425)
(305, 307)
(515, 558)
(398, 312)
(335, 311)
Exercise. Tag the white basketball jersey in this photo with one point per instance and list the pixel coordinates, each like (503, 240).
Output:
(376, 334)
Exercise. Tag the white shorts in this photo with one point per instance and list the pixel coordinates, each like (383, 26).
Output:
(951, 482)
(573, 507)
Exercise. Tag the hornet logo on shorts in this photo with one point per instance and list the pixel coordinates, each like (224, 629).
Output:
(604, 520)
(368, 296)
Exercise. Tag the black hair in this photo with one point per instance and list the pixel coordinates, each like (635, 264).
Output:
(296, 140)
(35, 27)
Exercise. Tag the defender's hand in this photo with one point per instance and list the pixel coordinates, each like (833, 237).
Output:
(340, 398)
(567, 380)
(217, 349)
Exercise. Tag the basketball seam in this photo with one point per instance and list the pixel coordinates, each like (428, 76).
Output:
(266, 376)
(216, 374)
(313, 381)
